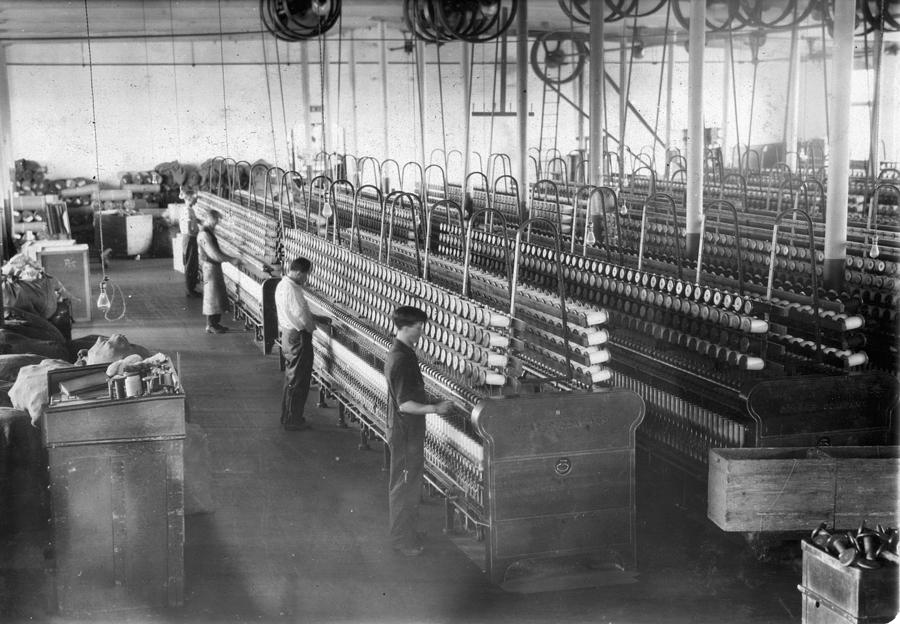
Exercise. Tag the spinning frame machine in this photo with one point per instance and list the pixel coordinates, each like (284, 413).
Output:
(542, 468)
(714, 361)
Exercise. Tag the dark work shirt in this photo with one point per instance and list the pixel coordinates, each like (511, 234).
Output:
(404, 380)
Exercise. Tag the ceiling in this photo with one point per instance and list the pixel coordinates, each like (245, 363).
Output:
(40, 20)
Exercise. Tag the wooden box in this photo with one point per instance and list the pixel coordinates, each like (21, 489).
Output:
(117, 501)
(796, 489)
(838, 594)
(68, 263)
(559, 479)
(129, 235)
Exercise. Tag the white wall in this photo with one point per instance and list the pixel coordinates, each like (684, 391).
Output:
(143, 120)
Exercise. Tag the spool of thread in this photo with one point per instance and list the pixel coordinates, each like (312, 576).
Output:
(599, 375)
(599, 357)
(598, 337)
(845, 550)
(133, 385)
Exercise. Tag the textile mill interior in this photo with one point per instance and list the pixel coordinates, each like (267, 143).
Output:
(629, 268)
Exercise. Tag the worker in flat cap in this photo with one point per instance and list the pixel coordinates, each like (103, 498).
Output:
(408, 404)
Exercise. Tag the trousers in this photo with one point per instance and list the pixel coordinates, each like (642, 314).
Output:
(191, 261)
(406, 439)
(297, 349)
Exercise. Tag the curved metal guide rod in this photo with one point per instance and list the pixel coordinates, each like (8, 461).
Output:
(791, 189)
(812, 264)
(218, 162)
(561, 287)
(354, 214)
(447, 204)
(234, 179)
(534, 189)
(668, 199)
(719, 204)
(376, 169)
(742, 183)
(384, 183)
(872, 218)
(515, 183)
(467, 257)
(634, 175)
(269, 194)
(386, 228)
(336, 228)
(425, 198)
(287, 189)
(505, 162)
(326, 183)
(565, 169)
(413, 199)
(421, 177)
(604, 192)
(466, 197)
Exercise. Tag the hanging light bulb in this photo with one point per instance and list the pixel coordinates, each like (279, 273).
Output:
(103, 302)
(589, 238)
(623, 209)
(874, 251)
(326, 210)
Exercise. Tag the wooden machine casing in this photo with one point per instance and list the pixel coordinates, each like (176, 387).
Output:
(559, 476)
(117, 500)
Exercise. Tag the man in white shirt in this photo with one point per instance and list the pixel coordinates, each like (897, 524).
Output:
(297, 326)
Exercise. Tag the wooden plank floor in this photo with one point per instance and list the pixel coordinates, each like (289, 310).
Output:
(299, 528)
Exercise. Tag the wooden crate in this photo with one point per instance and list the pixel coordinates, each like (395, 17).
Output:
(796, 489)
(117, 501)
(836, 594)
(67, 262)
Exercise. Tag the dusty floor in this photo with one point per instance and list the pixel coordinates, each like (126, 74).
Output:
(298, 530)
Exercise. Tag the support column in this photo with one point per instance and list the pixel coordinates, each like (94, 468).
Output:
(420, 85)
(890, 98)
(695, 145)
(839, 145)
(306, 148)
(792, 105)
(465, 66)
(522, 102)
(354, 113)
(623, 95)
(7, 165)
(596, 104)
(579, 117)
(670, 70)
(382, 65)
(726, 96)
(875, 130)
(327, 110)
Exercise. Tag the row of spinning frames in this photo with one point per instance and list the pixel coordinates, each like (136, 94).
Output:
(713, 356)
(519, 467)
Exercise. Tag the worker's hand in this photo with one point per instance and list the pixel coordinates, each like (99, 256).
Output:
(443, 407)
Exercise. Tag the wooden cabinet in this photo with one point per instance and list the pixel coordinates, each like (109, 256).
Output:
(67, 262)
(117, 501)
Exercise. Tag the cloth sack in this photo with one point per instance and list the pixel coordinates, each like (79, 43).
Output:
(10, 364)
(31, 325)
(12, 342)
(113, 348)
(30, 392)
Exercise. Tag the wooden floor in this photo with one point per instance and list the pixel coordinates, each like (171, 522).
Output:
(298, 533)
